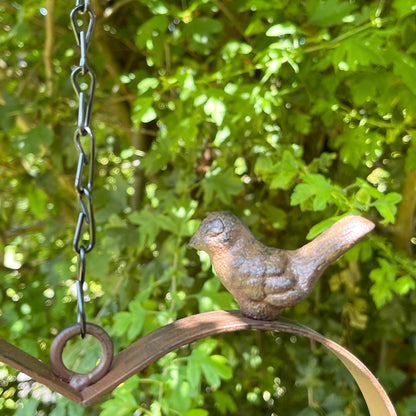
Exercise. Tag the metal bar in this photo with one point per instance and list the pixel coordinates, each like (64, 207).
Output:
(36, 369)
(158, 343)
(153, 346)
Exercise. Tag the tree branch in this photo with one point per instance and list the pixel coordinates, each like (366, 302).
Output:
(403, 228)
(120, 110)
(234, 22)
(49, 42)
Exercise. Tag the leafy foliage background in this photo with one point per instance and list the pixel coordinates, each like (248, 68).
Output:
(290, 114)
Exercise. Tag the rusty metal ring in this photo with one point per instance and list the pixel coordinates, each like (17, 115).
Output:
(77, 380)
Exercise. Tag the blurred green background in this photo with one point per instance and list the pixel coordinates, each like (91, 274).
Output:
(290, 114)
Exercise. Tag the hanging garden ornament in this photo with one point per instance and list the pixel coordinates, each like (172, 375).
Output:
(264, 280)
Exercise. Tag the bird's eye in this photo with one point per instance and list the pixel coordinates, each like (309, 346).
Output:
(215, 227)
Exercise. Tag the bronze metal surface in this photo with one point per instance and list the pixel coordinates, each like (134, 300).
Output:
(156, 344)
(76, 380)
(151, 347)
(265, 280)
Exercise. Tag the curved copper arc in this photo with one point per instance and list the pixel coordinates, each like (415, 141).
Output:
(153, 346)
(158, 343)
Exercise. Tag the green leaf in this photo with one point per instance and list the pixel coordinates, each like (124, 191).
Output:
(194, 373)
(356, 146)
(213, 297)
(137, 315)
(327, 13)
(18, 29)
(351, 54)
(404, 7)
(215, 109)
(302, 123)
(66, 407)
(185, 130)
(386, 206)
(204, 25)
(151, 28)
(196, 412)
(222, 184)
(215, 368)
(129, 323)
(34, 140)
(280, 175)
(157, 158)
(363, 89)
(225, 402)
(28, 409)
(256, 26)
(404, 285)
(123, 402)
(9, 108)
(156, 6)
(121, 323)
(264, 166)
(143, 111)
(187, 83)
(202, 31)
(301, 193)
(405, 67)
(151, 37)
(378, 176)
(309, 374)
(233, 48)
(221, 136)
(321, 227)
(147, 84)
(383, 278)
(319, 189)
(37, 202)
(282, 29)
(149, 227)
(391, 377)
(285, 171)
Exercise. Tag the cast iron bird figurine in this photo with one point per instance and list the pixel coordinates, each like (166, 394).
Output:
(265, 280)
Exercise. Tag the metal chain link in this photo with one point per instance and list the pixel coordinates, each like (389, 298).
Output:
(83, 80)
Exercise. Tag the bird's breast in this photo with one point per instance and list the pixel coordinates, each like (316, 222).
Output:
(223, 266)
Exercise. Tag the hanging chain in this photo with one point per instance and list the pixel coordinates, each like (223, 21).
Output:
(83, 80)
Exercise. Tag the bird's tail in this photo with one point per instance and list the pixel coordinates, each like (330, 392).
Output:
(332, 243)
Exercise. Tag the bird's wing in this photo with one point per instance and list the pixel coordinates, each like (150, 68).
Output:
(278, 285)
(285, 299)
(277, 280)
(263, 275)
(265, 262)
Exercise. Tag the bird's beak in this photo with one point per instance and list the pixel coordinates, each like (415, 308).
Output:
(194, 242)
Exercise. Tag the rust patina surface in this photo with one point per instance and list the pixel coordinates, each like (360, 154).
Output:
(265, 280)
(156, 344)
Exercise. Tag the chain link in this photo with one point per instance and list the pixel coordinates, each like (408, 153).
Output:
(83, 81)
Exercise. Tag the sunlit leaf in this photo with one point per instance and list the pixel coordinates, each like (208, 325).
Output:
(328, 12)
(281, 30)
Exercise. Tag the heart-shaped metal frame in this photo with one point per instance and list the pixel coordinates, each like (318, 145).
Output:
(158, 343)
